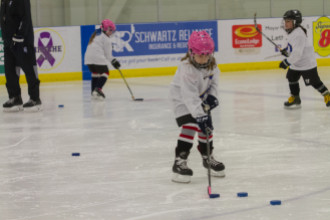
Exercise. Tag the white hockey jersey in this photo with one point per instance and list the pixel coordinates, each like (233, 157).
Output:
(190, 85)
(99, 52)
(302, 56)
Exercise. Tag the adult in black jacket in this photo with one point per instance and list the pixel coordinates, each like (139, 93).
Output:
(19, 53)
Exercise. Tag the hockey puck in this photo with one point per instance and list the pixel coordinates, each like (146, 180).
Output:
(61, 106)
(75, 154)
(214, 195)
(242, 194)
(276, 202)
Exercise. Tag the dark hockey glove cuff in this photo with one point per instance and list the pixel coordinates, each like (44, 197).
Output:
(284, 64)
(115, 63)
(210, 103)
(284, 52)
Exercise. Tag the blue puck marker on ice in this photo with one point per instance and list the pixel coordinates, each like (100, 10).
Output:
(61, 106)
(276, 202)
(242, 194)
(75, 154)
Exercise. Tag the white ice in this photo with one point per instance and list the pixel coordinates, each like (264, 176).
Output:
(127, 153)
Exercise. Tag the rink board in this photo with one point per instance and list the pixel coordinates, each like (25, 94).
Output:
(155, 49)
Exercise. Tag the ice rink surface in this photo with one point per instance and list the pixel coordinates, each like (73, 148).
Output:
(127, 152)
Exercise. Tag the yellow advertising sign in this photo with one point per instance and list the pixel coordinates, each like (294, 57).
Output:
(321, 36)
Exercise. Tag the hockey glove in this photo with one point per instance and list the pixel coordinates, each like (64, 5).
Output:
(284, 52)
(205, 123)
(284, 64)
(115, 63)
(210, 103)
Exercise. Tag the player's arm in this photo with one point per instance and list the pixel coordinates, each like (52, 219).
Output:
(211, 100)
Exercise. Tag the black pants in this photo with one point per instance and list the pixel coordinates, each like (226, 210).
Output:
(98, 78)
(311, 76)
(16, 57)
(94, 68)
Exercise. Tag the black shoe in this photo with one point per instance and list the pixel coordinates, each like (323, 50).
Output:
(32, 105)
(180, 167)
(13, 105)
(217, 168)
(215, 165)
(293, 102)
(181, 172)
(98, 94)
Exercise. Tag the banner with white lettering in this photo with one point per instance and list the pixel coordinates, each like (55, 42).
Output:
(158, 38)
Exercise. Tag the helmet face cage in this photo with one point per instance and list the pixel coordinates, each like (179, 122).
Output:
(295, 16)
(198, 65)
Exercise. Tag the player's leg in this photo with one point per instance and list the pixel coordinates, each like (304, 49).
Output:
(103, 74)
(12, 83)
(311, 77)
(294, 100)
(25, 55)
(217, 168)
(181, 172)
(94, 76)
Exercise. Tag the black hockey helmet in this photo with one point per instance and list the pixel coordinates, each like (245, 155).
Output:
(294, 15)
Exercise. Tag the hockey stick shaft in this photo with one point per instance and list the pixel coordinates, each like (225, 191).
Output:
(129, 89)
(208, 150)
(208, 158)
(269, 57)
(256, 26)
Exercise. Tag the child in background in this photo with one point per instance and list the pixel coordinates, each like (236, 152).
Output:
(301, 62)
(98, 57)
(193, 93)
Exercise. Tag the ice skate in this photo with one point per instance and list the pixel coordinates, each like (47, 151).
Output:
(32, 106)
(217, 168)
(293, 102)
(181, 172)
(14, 104)
(97, 94)
(327, 100)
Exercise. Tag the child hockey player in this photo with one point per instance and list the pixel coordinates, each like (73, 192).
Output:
(193, 93)
(98, 57)
(301, 61)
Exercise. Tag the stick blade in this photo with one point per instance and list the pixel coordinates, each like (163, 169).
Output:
(139, 99)
(214, 195)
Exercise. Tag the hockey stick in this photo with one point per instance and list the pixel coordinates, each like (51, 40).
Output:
(269, 57)
(256, 26)
(209, 191)
(129, 89)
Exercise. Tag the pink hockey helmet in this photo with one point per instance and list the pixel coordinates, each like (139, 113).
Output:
(108, 25)
(200, 42)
